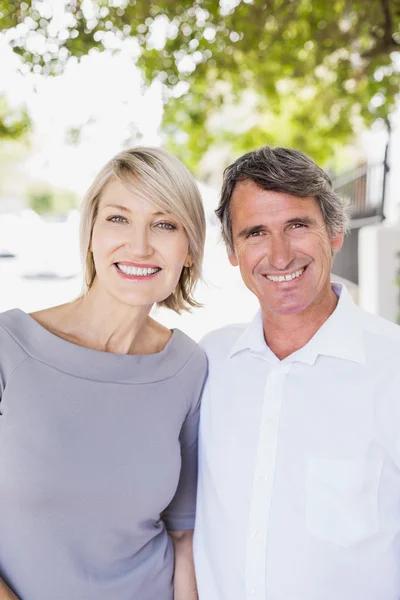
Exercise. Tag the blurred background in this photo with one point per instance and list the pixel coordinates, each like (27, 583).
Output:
(208, 80)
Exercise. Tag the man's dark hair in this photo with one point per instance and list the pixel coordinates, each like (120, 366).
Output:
(287, 171)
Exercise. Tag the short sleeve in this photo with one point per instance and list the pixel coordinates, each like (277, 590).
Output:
(180, 514)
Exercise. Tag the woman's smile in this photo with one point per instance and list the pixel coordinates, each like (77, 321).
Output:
(136, 272)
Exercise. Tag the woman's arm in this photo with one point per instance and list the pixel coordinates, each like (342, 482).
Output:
(5, 592)
(185, 587)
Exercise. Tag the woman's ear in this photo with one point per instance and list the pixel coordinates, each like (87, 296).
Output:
(188, 262)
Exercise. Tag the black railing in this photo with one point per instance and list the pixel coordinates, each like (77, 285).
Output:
(365, 187)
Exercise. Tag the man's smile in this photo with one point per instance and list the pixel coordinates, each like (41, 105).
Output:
(287, 277)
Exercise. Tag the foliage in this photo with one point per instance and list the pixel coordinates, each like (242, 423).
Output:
(14, 124)
(45, 199)
(239, 73)
(13, 153)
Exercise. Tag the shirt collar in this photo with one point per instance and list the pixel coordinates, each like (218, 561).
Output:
(252, 338)
(341, 336)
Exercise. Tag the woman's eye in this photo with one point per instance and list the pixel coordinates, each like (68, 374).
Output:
(166, 225)
(116, 219)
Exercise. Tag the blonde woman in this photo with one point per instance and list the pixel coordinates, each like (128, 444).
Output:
(99, 403)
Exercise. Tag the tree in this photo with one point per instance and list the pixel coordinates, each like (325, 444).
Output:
(46, 199)
(239, 73)
(14, 123)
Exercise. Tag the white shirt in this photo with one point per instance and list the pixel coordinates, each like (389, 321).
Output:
(299, 483)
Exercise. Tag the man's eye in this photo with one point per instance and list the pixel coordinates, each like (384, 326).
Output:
(255, 234)
(297, 225)
(166, 225)
(116, 219)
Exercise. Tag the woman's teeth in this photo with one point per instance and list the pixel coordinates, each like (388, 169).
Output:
(289, 277)
(136, 270)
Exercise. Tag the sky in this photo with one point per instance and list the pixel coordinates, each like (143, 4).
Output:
(103, 95)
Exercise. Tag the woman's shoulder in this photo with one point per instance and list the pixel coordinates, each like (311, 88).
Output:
(176, 345)
(193, 370)
(12, 350)
(21, 334)
(192, 354)
(12, 323)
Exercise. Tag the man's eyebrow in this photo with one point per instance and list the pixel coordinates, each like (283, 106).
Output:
(302, 220)
(244, 233)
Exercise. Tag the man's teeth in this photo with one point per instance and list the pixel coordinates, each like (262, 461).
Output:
(136, 270)
(286, 277)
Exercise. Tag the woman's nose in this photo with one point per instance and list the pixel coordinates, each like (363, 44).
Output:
(139, 244)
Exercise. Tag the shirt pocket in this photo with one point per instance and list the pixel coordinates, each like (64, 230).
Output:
(342, 499)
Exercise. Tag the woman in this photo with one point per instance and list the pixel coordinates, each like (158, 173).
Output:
(99, 403)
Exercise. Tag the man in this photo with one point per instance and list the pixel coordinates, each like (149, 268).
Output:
(299, 489)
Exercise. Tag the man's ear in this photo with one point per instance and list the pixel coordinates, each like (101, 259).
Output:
(337, 241)
(232, 259)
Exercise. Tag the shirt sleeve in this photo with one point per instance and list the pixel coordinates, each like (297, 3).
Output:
(180, 514)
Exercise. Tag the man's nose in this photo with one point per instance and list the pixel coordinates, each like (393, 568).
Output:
(280, 252)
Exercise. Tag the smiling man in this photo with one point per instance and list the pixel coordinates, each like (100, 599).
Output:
(299, 488)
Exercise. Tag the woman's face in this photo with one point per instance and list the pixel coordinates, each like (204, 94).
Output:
(138, 251)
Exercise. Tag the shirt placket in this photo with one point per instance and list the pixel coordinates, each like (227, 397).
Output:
(256, 556)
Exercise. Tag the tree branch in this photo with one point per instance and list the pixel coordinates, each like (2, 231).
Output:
(387, 43)
(388, 24)
(385, 47)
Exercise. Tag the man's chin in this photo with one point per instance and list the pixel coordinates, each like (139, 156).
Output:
(290, 308)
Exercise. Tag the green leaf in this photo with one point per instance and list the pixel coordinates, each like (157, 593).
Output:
(303, 73)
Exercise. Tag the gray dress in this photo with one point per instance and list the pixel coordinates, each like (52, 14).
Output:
(98, 458)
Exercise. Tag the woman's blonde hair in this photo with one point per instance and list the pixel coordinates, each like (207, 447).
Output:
(160, 178)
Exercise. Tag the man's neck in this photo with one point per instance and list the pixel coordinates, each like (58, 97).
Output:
(285, 334)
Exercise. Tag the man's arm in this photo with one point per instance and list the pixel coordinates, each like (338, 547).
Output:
(5, 592)
(185, 587)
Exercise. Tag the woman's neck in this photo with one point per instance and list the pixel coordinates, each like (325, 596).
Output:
(99, 321)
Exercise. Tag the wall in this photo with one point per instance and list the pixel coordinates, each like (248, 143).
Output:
(379, 264)
(346, 261)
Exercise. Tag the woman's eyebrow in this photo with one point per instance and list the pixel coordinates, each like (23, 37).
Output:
(157, 213)
(161, 213)
(117, 206)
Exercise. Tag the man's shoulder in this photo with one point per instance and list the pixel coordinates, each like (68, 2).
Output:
(220, 342)
(379, 327)
(381, 337)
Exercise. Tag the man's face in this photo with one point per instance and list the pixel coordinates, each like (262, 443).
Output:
(282, 247)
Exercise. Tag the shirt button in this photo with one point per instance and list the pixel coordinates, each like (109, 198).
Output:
(256, 534)
(253, 592)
